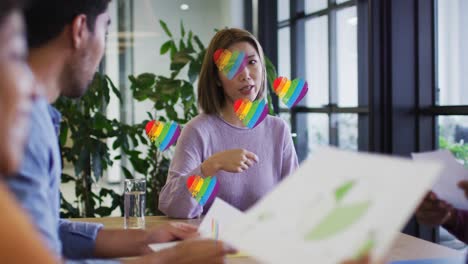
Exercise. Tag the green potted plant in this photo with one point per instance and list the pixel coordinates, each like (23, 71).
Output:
(84, 124)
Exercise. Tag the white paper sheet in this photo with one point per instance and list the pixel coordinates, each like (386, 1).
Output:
(218, 218)
(161, 246)
(453, 172)
(333, 207)
(220, 214)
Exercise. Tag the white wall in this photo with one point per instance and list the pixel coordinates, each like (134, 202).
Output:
(452, 49)
(112, 70)
(202, 18)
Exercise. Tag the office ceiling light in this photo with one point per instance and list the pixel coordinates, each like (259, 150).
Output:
(184, 7)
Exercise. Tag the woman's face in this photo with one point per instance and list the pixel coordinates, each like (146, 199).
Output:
(16, 92)
(248, 82)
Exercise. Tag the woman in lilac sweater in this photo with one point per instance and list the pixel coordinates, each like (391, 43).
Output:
(248, 163)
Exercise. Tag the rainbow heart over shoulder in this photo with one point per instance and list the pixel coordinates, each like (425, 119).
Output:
(230, 63)
(251, 113)
(289, 92)
(163, 135)
(203, 190)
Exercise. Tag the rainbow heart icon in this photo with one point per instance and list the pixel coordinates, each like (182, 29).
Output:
(204, 190)
(289, 92)
(251, 113)
(163, 135)
(230, 63)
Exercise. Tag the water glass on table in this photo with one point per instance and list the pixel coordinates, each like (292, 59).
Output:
(134, 203)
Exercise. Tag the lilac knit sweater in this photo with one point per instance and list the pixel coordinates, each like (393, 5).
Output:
(206, 135)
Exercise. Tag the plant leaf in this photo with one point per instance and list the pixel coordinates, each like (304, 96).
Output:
(189, 41)
(159, 105)
(179, 60)
(171, 112)
(114, 89)
(182, 29)
(165, 28)
(83, 160)
(67, 178)
(271, 71)
(186, 90)
(182, 45)
(194, 71)
(127, 173)
(63, 133)
(199, 43)
(97, 165)
(165, 47)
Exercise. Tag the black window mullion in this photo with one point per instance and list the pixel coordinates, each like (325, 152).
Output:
(267, 31)
(364, 133)
(332, 73)
(426, 88)
(327, 10)
(440, 110)
(435, 51)
(298, 69)
(248, 15)
(332, 109)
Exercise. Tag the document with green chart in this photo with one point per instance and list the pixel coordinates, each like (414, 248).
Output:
(336, 206)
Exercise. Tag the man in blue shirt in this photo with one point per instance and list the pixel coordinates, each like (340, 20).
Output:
(67, 40)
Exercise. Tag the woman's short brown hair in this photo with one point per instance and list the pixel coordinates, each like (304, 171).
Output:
(211, 98)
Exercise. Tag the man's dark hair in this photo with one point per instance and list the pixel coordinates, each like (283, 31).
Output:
(8, 6)
(46, 19)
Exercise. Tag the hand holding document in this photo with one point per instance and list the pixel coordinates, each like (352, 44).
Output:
(219, 217)
(446, 187)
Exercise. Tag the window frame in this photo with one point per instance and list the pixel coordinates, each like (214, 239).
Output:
(397, 77)
(296, 23)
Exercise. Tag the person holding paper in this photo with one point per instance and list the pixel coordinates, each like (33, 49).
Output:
(247, 162)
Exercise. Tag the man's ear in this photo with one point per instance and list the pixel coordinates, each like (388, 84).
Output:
(79, 30)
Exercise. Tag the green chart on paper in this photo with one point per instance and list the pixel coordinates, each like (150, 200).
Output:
(341, 217)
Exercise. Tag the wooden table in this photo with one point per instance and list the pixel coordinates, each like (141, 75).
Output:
(405, 247)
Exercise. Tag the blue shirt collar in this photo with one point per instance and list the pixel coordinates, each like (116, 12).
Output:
(56, 117)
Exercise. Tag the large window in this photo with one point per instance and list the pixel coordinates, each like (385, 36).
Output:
(410, 92)
(451, 94)
(452, 77)
(317, 40)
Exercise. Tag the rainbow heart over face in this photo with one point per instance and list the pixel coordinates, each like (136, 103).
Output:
(289, 92)
(204, 190)
(251, 113)
(230, 63)
(163, 135)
